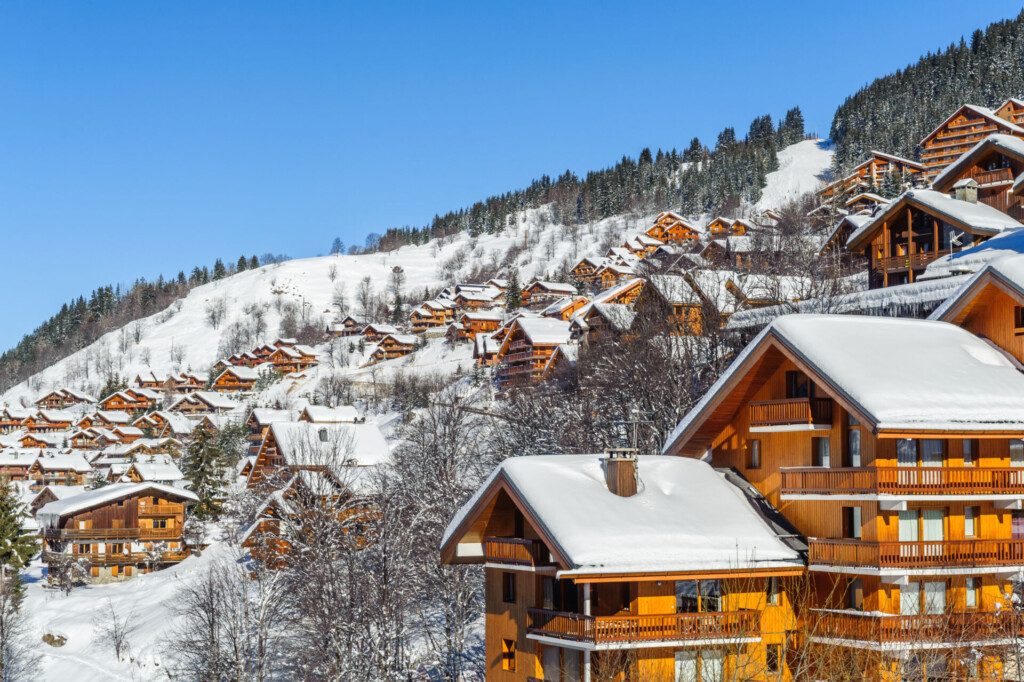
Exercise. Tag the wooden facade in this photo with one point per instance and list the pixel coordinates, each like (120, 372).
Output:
(911, 541)
(994, 164)
(232, 380)
(393, 346)
(967, 126)
(523, 360)
(870, 174)
(585, 271)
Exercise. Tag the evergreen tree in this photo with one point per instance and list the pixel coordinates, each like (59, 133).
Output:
(16, 548)
(695, 152)
(204, 466)
(514, 293)
(254, 263)
(219, 271)
(113, 384)
(242, 264)
(337, 246)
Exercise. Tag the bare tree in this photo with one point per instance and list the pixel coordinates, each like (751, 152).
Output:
(365, 298)
(18, 658)
(113, 629)
(215, 311)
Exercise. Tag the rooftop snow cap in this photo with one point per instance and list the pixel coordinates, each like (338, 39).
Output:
(620, 472)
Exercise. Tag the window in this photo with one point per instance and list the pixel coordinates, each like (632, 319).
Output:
(698, 596)
(906, 452)
(754, 454)
(971, 515)
(160, 523)
(323, 435)
(855, 594)
(798, 385)
(1017, 453)
(508, 655)
(851, 522)
(772, 656)
(1018, 319)
(970, 452)
(771, 591)
(83, 549)
(853, 447)
(699, 666)
(971, 593)
(822, 452)
(508, 587)
(935, 597)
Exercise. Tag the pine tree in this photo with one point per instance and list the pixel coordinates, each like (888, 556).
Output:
(204, 466)
(242, 264)
(514, 293)
(337, 246)
(254, 263)
(16, 548)
(219, 271)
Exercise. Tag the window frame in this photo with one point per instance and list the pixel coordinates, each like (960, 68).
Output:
(754, 453)
(508, 587)
(508, 655)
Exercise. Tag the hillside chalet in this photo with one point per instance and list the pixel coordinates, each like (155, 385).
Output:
(601, 567)
(118, 530)
(526, 351)
(293, 358)
(432, 313)
(478, 322)
(64, 397)
(350, 326)
(539, 292)
(393, 346)
(905, 478)
(585, 270)
(235, 379)
(871, 174)
(670, 228)
(375, 331)
(992, 165)
(967, 126)
(918, 227)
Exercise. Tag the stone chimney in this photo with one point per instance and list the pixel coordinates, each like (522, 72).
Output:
(620, 474)
(966, 190)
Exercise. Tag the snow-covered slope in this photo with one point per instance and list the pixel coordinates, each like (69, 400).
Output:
(803, 167)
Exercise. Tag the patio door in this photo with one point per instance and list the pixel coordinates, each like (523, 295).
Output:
(932, 531)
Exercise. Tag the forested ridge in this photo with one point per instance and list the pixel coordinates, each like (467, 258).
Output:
(895, 112)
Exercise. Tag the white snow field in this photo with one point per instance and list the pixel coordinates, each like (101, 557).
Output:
(803, 167)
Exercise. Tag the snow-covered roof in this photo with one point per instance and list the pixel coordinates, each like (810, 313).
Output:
(685, 516)
(544, 330)
(553, 287)
(343, 414)
(952, 381)
(561, 305)
(64, 462)
(674, 289)
(1008, 243)
(866, 196)
(1006, 144)
(402, 339)
(380, 328)
(330, 445)
(984, 112)
(1008, 270)
(483, 315)
(51, 514)
(618, 315)
(158, 468)
(978, 217)
(114, 416)
(240, 372)
(265, 415)
(59, 492)
(10, 457)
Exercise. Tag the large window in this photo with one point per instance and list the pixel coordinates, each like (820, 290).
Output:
(798, 385)
(970, 451)
(918, 598)
(971, 518)
(822, 452)
(700, 666)
(754, 454)
(698, 596)
(855, 594)
(972, 594)
(508, 587)
(852, 522)
(853, 447)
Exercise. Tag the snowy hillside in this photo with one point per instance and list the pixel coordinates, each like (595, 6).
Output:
(803, 168)
(181, 337)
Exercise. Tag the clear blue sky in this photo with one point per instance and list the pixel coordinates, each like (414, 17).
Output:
(141, 138)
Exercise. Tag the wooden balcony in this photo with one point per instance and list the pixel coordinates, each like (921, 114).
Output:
(791, 412)
(923, 554)
(647, 628)
(966, 481)
(516, 552)
(159, 509)
(994, 177)
(91, 533)
(952, 628)
(912, 261)
(159, 533)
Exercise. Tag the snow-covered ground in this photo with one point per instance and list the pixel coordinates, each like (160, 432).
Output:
(803, 167)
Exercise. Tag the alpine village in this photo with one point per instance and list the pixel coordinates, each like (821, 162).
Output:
(659, 424)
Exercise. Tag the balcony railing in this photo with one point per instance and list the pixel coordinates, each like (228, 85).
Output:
(922, 554)
(912, 261)
(903, 481)
(516, 551)
(159, 509)
(952, 628)
(791, 411)
(1000, 175)
(647, 628)
(159, 533)
(91, 533)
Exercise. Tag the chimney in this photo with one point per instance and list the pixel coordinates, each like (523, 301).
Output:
(620, 472)
(966, 190)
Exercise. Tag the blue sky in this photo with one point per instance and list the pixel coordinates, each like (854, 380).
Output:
(145, 138)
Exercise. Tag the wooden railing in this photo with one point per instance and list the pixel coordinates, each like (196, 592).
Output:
(943, 627)
(159, 533)
(516, 551)
(912, 261)
(991, 177)
(646, 628)
(159, 509)
(791, 411)
(903, 480)
(935, 553)
(92, 533)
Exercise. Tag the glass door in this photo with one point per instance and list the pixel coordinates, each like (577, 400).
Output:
(932, 531)
(909, 537)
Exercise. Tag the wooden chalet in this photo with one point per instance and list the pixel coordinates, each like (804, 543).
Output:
(49, 421)
(870, 174)
(918, 227)
(297, 358)
(864, 201)
(51, 468)
(719, 227)
(485, 349)
(154, 468)
(12, 417)
(374, 331)
(539, 292)
(478, 322)
(342, 450)
(432, 313)
(258, 424)
(612, 274)
(43, 439)
(106, 419)
(992, 164)
(130, 400)
(835, 243)
(594, 570)
(904, 478)
(642, 245)
(498, 283)
(670, 228)
(52, 493)
(15, 464)
(150, 379)
(565, 308)
(603, 321)
(62, 398)
(235, 379)
(672, 299)
(527, 348)
(202, 402)
(965, 127)
(187, 382)
(350, 326)
(478, 299)
(118, 530)
(585, 270)
(394, 346)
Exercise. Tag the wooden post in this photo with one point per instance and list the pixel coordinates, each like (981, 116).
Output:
(935, 236)
(910, 246)
(586, 612)
(885, 253)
